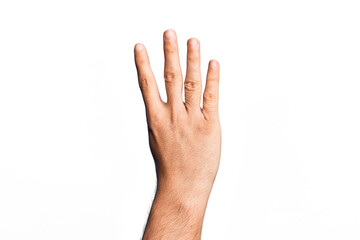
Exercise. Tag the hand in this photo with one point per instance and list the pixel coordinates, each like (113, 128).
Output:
(185, 139)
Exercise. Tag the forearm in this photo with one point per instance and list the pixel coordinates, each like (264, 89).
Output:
(177, 211)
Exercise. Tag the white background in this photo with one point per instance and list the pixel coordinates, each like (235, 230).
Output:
(74, 155)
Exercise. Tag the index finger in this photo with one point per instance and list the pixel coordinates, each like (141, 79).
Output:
(147, 82)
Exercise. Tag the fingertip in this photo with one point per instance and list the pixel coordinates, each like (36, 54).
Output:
(214, 64)
(170, 35)
(193, 42)
(139, 47)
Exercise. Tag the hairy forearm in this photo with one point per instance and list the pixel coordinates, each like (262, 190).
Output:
(177, 212)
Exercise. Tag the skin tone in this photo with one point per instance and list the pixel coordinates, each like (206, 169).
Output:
(185, 139)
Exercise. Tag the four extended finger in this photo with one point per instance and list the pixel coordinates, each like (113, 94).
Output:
(147, 82)
(211, 92)
(172, 69)
(192, 82)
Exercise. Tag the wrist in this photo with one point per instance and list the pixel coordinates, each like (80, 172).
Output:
(176, 215)
(187, 193)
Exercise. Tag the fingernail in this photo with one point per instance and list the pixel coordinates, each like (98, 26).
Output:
(193, 43)
(139, 47)
(214, 63)
(170, 35)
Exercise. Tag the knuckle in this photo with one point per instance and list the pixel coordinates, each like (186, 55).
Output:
(192, 86)
(171, 76)
(210, 97)
(144, 83)
(171, 48)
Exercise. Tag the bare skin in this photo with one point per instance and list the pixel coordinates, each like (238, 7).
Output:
(185, 139)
